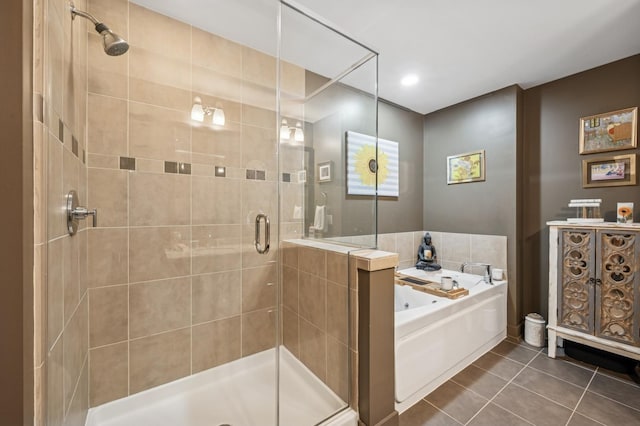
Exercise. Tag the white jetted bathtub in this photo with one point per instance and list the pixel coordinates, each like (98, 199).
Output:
(437, 337)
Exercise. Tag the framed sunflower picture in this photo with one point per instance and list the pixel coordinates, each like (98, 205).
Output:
(464, 168)
(364, 164)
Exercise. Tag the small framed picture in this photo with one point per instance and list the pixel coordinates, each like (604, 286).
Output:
(625, 213)
(302, 176)
(464, 168)
(610, 131)
(617, 170)
(324, 171)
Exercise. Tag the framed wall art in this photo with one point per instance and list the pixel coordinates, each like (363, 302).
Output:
(610, 131)
(464, 168)
(617, 170)
(362, 166)
(324, 171)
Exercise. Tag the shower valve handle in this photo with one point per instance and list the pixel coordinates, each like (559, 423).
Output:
(75, 213)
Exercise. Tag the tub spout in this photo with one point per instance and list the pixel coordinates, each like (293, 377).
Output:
(487, 271)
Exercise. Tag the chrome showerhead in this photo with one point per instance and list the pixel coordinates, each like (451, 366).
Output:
(113, 44)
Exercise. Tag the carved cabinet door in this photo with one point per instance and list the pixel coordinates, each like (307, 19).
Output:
(617, 287)
(576, 271)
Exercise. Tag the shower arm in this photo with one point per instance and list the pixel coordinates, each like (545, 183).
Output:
(100, 27)
(89, 16)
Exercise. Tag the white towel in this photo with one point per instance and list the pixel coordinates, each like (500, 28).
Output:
(319, 218)
(297, 212)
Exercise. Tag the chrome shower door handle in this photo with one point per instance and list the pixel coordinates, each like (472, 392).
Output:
(267, 234)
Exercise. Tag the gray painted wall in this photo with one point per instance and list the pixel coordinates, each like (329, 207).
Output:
(553, 166)
(490, 207)
(354, 215)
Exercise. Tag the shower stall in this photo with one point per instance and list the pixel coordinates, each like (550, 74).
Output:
(196, 235)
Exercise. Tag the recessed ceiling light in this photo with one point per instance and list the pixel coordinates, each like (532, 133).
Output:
(409, 80)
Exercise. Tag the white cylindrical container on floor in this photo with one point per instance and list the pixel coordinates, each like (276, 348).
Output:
(534, 330)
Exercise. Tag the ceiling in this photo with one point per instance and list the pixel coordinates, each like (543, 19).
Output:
(459, 49)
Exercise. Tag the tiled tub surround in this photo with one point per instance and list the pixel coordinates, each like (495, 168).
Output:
(175, 284)
(453, 249)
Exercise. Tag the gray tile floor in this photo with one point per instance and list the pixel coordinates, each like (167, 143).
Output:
(517, 384)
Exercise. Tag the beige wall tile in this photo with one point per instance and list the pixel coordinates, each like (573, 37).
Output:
(83, 238)
(260, 117)
(108, 193)
(216, 343)
(337, 312)
(337, 268)
(115, 12)
(216, 248)
(40, 170)
(338, 368)
(160, 199)
(159, 133)
(290, 288)
(107, 125)
(159, 33)
(216, 296)
(258, 148)
(258, 331)
(313, 349)
(214, 83)
(258, 67)
(71, 276)
(158, 80)
(313, 261)
(56, 202)
(55, 389)
(405, 247)
(108, 315)
(54, 291)
(215, 201)
(75, 349)
(40, 304)
(107, 255)
(159, 306)
(107, 75)
(290, 331)
(218, 147)
(293, 79)
(312, 299)
(292, 199)
(157, 253)
(290, 254)
(387, 242)
(108, 373)
(159, 359)
(259, 288)
(216, 53)
(103, 161)
(78, 410)
(455, 247)
(54, 61)
(491, 249)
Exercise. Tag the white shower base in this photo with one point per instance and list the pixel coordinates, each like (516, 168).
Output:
(240, 393)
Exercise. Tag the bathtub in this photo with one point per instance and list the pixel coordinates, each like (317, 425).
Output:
(436, 337)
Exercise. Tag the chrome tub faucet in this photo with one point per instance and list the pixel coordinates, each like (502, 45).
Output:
(487, 273)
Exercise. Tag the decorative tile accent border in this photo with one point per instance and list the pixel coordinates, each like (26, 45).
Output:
(127, 163)
(220, 171)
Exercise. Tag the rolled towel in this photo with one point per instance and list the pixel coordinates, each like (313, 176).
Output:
(319, 218)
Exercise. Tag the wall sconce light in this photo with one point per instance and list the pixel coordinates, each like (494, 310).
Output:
(285, 132)
(199, 112)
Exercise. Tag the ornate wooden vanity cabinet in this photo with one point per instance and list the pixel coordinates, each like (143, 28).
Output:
(594, 286)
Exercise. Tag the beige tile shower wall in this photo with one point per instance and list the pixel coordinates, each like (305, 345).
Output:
(315, 306)
(175, 283)
(60, 263)
(453, 249)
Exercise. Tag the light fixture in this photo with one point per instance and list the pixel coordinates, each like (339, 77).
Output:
(285, 132)
(409, 80)
(199, 112)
